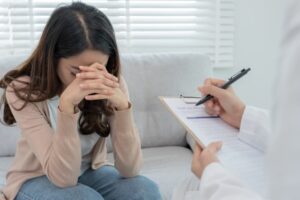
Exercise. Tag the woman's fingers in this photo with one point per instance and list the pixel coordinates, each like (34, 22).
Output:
(87, 68)
(99, 84)
(91, 70)
(90, 75)
(93, 97)
(93, 67)
(95, 75)
(98, 94)
(98, 66)
(111, 77)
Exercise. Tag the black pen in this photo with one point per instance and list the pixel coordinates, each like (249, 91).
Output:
(226, 85)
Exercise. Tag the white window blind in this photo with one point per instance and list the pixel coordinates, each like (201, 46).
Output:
(199, 26)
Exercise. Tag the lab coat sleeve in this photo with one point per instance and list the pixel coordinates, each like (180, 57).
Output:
(255, 127)
(217, 183)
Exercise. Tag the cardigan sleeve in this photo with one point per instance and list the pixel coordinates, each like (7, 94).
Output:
(125, 139)
(58, 151)
(255, 127)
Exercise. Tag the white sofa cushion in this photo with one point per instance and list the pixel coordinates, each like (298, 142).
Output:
(166, 166)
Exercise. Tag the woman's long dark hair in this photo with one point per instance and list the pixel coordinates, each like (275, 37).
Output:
(70, 30)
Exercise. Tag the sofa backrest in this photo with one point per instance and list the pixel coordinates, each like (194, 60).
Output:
(148, 76)
(151, 75)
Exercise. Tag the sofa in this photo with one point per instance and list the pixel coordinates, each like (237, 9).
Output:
(166, 150)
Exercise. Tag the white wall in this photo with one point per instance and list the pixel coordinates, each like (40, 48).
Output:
(258, 35)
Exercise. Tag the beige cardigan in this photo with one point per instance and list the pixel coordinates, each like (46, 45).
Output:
(57, 153)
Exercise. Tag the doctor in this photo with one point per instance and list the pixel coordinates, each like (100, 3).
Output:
(283, 151)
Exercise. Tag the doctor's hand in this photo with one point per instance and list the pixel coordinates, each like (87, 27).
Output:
(202, 158)
(224, 104)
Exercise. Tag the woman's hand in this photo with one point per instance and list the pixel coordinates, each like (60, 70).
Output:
(203, 158)
(107, 86)
(224, 104)
(119, 101)
(91, 81)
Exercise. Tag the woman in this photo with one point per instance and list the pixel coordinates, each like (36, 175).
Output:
(67, 97)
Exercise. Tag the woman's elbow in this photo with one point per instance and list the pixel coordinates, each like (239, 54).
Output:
(63, 182)
(130, 170)
(62, 175)
(63, 178)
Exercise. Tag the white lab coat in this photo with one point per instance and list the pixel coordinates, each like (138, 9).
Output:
(283, 156)
(283, 152)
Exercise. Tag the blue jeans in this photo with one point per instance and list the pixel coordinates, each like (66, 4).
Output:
(103, 183)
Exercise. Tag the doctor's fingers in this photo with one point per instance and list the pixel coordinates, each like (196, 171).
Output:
(214, 147)
(213, 107)
(214, 81)
(219, 93)
(217, 83)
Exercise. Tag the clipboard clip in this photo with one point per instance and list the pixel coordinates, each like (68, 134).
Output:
(189, 99)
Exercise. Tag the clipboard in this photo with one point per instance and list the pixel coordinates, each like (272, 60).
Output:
(243, 160)
(187, 128)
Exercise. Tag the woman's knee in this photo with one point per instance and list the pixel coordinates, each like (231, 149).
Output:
(42, 189)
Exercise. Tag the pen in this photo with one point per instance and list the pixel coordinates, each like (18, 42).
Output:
(226, 85)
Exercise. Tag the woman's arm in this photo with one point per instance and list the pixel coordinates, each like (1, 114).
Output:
(58, 151)
(125, 139)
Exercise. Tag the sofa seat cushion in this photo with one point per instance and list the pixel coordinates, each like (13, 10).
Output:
(166, 166)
